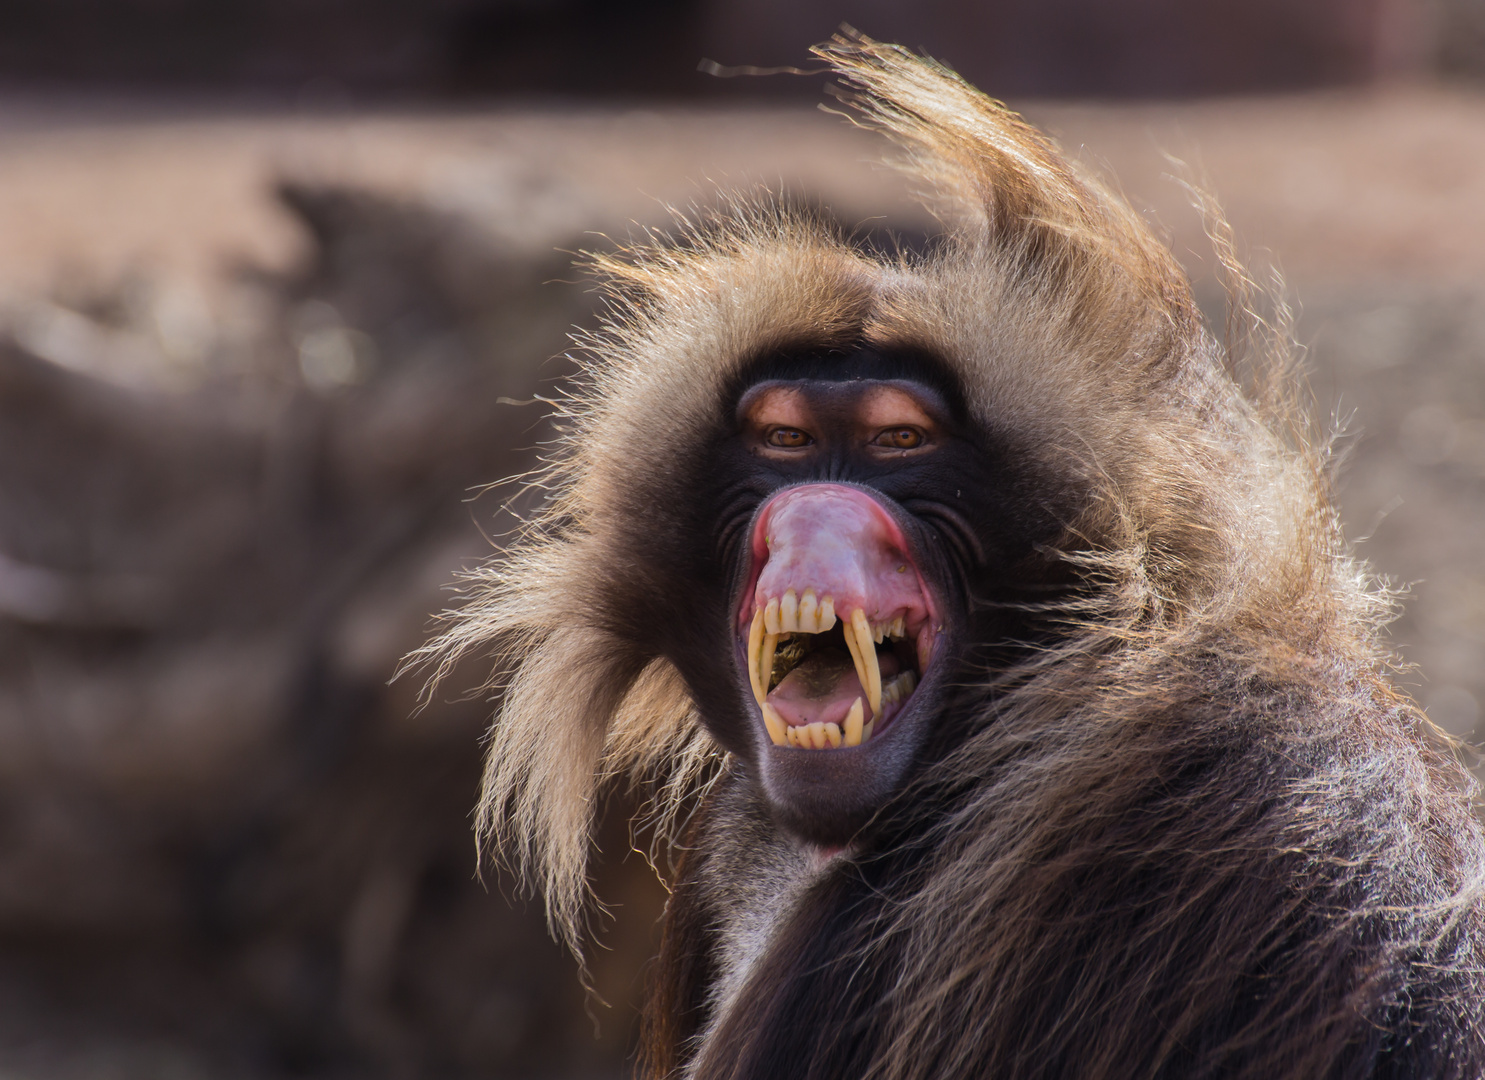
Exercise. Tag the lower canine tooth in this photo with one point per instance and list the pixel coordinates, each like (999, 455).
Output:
(853, 723)
(775, 724)
(872, 683)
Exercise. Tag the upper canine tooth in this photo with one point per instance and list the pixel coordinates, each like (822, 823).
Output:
(807, 610)
(765, 660)
(771, 616)
(853, 723)
(826, 617)
(777, 729)
(873, 681)
(789, 612)
(755, 646)
(857, 648)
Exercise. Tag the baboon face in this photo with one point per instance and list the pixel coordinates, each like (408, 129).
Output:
(855, 524)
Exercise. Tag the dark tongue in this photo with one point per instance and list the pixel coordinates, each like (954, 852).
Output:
(822, 687)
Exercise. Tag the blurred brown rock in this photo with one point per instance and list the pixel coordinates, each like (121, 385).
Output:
(217, 820)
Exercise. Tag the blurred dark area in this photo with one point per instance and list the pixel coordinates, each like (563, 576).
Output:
(327, 50)
(283, 288)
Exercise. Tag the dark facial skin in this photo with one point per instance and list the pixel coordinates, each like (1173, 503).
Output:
(905, 442)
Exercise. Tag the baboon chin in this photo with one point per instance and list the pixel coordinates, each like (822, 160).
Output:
(1011, 702)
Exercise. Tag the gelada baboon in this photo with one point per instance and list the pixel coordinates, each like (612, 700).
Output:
(1013, 702)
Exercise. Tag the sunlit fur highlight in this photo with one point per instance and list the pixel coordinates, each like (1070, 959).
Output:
(1210, 536)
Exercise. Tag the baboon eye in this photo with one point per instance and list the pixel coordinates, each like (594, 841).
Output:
(902, 438)
(789, 438)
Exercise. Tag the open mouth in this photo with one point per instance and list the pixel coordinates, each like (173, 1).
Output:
(839, 626)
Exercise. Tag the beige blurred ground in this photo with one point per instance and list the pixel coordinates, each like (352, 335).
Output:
(1350, 186)
(1372, 202)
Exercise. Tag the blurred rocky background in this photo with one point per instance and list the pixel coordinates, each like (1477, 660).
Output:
(282, 286)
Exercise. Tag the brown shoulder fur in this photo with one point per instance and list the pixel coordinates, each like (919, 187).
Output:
(1211, 740)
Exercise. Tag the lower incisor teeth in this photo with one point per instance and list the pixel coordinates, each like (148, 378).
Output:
(819, 735)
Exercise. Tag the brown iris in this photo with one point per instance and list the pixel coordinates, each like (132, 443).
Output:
(903, 438)
(789, 438)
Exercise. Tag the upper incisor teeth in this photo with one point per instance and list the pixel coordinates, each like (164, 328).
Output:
(796, 614)
(808, 606)
(789, 612)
